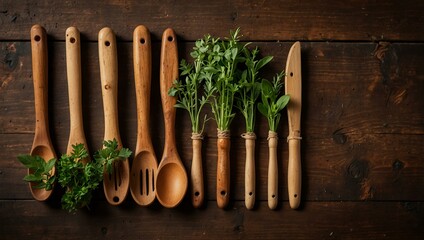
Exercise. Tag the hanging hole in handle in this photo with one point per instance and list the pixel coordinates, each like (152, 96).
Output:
(142, 41)
(107, 43)
(250, 193)
(72, 40)
(223, 193)
(196, 194)
(295, 196)
(170, 38)
(273, 196)
(116, 199)
(291, 74)
(37, 38)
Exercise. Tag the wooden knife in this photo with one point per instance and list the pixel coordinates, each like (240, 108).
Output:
(293, 85)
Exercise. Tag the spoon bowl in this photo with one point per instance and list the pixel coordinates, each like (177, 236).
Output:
(171, 179)
(46, 153)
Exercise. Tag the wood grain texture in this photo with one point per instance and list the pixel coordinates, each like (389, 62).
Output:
(278, 20)
(356, 221)
(362, 119)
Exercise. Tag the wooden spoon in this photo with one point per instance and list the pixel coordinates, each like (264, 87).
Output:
(116, 184)
(42, 145)
(144, 166)
(171, 182)
(73, 65)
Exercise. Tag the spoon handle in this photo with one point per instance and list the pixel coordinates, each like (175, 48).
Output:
(73, 65)
(168, 73)
(40, 77)
(142, 73)
(109, 78)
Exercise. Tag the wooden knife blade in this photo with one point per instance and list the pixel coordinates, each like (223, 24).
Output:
(293, 85)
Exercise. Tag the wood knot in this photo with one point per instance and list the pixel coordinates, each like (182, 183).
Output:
(339, 137)
(380, 50)
(398, 165)
(358, 170)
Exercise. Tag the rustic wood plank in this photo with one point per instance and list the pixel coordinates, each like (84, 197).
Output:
(348, 88)
(366, 167)
(316, 221)
(266, 20)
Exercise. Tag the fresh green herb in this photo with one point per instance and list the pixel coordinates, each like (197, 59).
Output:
(221, 81)
(111, 153)
(188, 88)
(250, 86)
(40, 171)
(272, 104)
(80, 179)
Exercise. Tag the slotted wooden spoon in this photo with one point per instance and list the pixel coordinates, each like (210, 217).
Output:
(144, 166)
(171, 181)
(116, 184)
(42, 145)
(73, 66)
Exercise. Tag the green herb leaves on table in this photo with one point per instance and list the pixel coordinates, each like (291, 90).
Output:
(79, 178)
(111, 153)
(40, 171)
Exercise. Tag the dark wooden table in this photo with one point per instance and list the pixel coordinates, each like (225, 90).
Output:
(363, 118)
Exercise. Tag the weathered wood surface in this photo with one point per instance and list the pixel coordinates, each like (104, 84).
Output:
(318, 220)
(260, 20)
(362, 120)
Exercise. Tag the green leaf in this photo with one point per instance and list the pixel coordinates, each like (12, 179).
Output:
(172, 91)
(33, 178)
(282, 102)
(263, 109)
(124, 153)
(266, 87)
(50, 164)
(27, 160)
(264, 61)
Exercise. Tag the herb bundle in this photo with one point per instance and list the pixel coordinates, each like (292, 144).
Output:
(191, 98)
(250, 89)
(271, 106)
(222, 84)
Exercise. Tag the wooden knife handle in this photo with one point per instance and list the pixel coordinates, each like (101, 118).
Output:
(40, 78)
(142, 74)
(109, 77)
(294, 173)
(168, 74)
